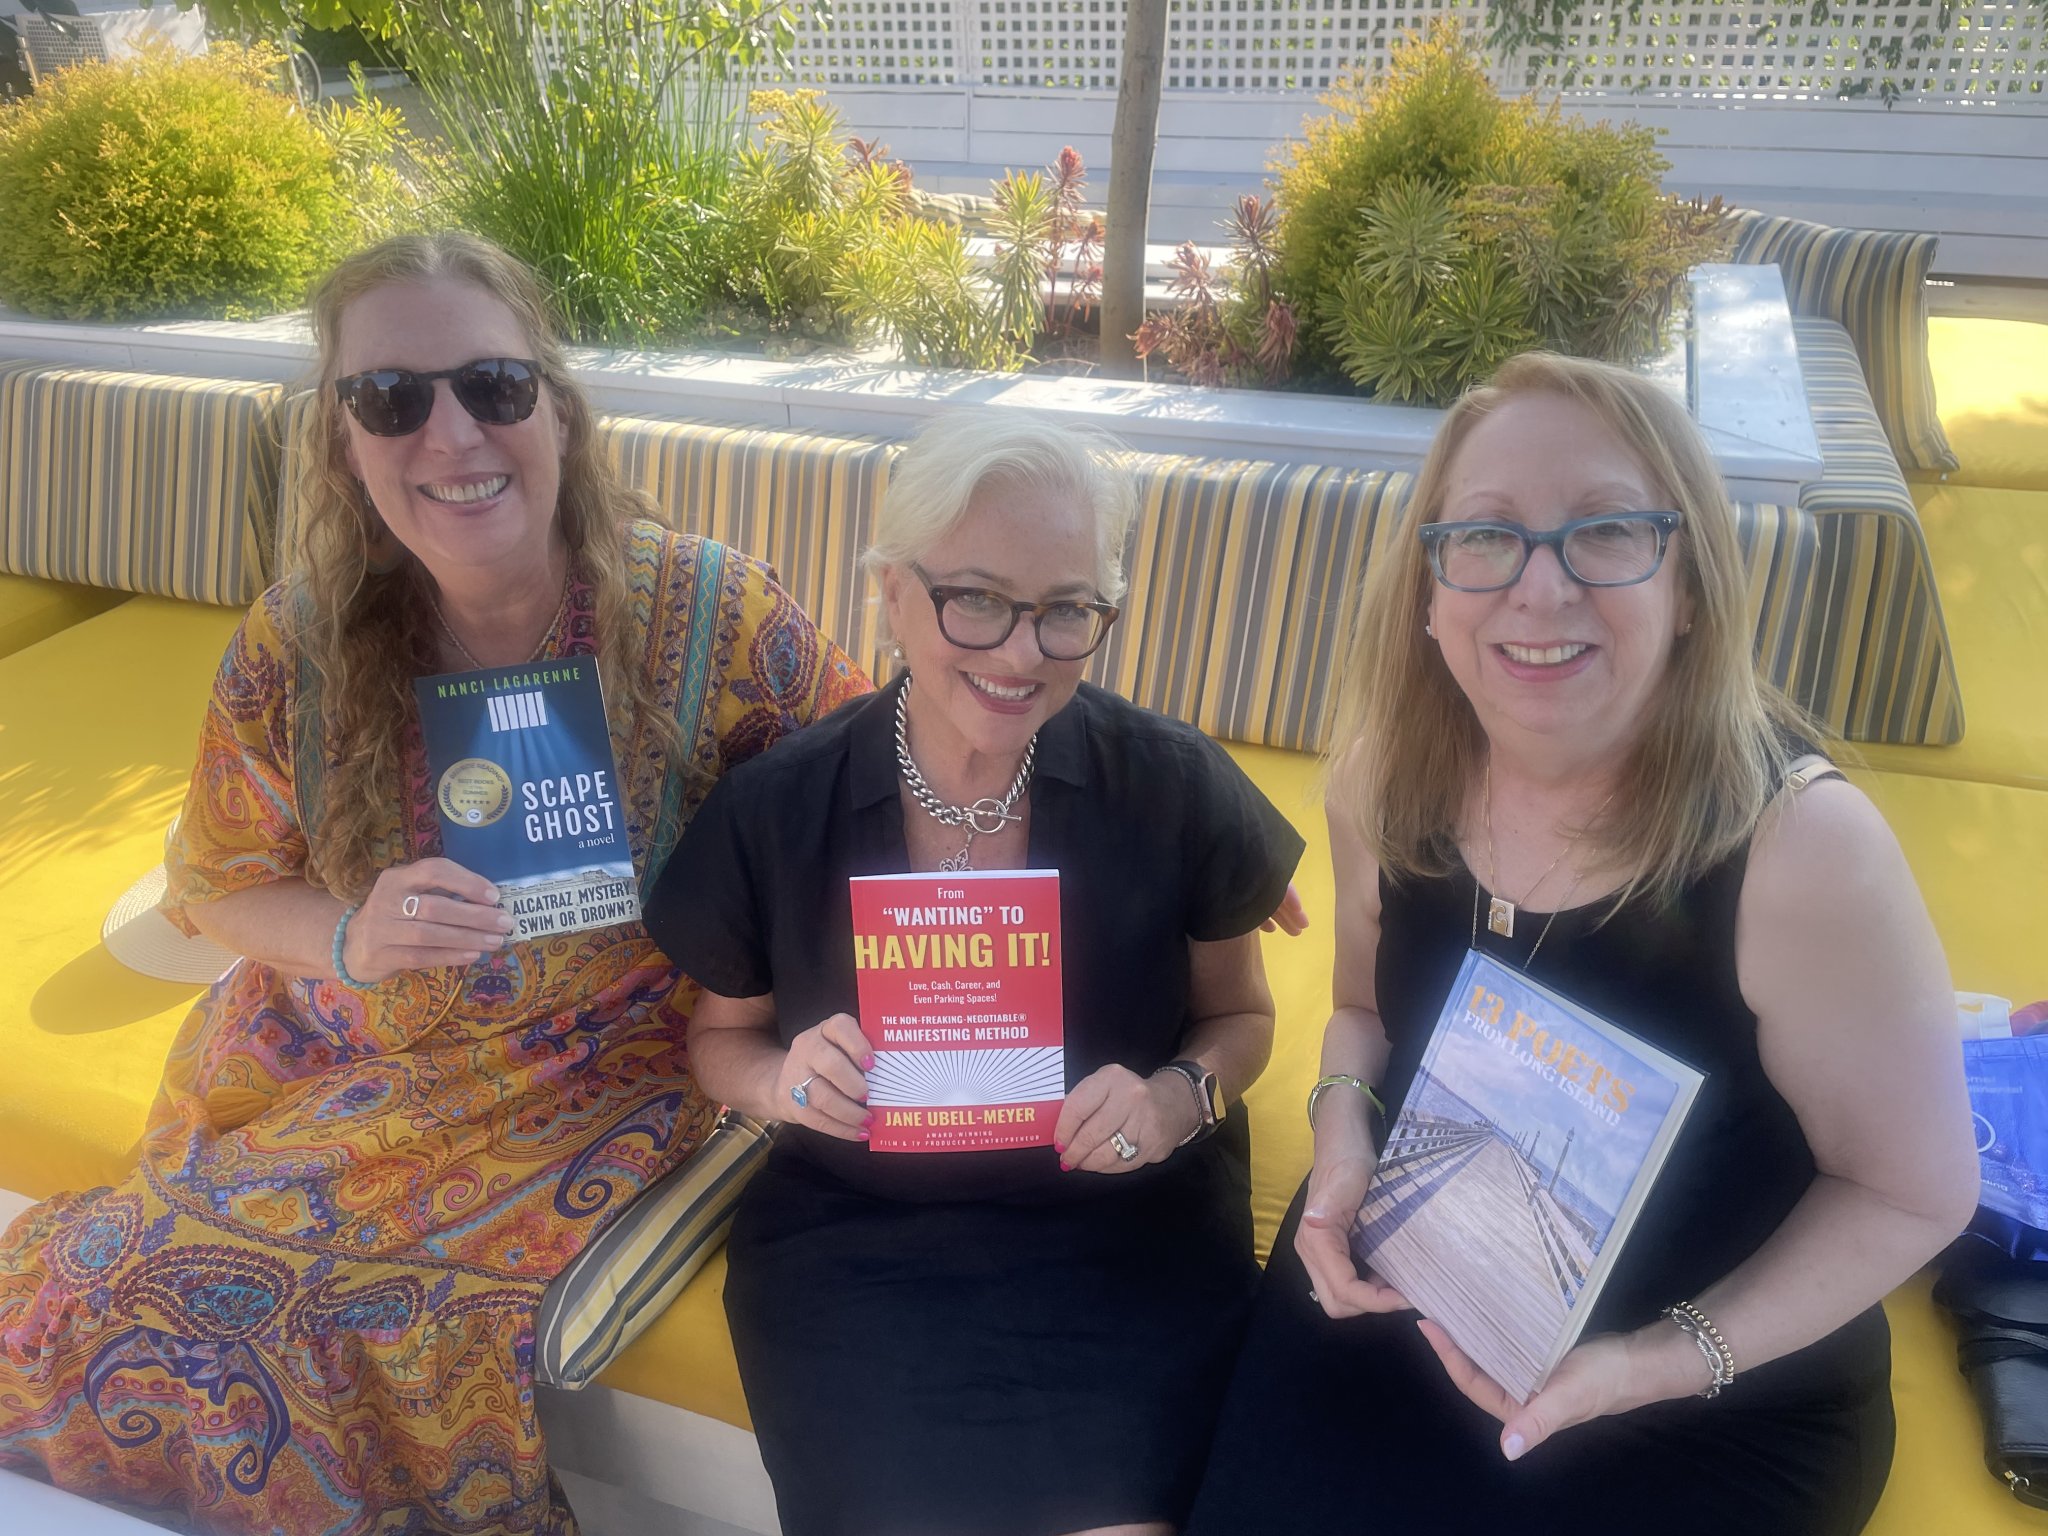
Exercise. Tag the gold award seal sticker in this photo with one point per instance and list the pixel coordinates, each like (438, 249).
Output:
(475, 792)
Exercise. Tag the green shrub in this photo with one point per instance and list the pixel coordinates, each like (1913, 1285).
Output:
(596, 140)
(166, 185)
(827, 247)
(1430, 229)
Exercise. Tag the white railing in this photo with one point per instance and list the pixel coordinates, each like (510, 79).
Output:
(1991, 50)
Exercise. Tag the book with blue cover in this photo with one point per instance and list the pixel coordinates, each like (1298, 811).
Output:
(528, 791)
(1524, 1149)
(2009, 1106)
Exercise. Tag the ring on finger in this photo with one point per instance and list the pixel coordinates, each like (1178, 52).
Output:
(801, 1093)
(410, 906)
(1126, 1149)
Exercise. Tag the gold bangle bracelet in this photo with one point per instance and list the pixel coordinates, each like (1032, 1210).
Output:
(1341, 1080)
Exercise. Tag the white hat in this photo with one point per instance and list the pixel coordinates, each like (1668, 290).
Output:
(138, 935)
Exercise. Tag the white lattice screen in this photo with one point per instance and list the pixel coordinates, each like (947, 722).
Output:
(1993, 48)
(882, 42)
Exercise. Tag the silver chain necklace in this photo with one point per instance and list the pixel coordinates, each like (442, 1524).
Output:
(984, 818)
(475, 665)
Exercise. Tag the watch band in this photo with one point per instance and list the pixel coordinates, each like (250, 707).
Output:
(1208, 1097)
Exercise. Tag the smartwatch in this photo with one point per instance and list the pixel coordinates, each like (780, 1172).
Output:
(1208, 1097)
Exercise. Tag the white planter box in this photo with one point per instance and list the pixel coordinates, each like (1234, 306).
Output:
(1737, 367)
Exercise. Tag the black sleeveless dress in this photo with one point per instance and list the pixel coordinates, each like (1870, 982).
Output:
(1352, 1427)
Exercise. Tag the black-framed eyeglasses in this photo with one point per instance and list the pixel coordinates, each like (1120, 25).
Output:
(1612, 549)
(395, 402)
(976, 619)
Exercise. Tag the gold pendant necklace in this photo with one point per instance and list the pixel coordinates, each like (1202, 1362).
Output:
(1500, 912)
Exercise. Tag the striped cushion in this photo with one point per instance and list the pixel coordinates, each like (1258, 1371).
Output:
(1239, 573)
(133, 481)
(1239, 570)
(1872, 283)
(641, 1262)
(1876, 664)
(802, 502)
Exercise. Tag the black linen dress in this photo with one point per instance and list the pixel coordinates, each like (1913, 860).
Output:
(1342, 1428)
(978, 1344)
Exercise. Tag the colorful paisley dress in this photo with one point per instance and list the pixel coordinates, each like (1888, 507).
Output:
(310, 1309)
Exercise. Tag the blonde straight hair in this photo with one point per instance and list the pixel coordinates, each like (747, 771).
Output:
(363, 618)
(1406, 747)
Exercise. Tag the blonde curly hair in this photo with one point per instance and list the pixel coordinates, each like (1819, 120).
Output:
(362, 614)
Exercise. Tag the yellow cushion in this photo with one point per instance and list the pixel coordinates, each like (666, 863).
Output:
(31, 610)
(1990, 555)
(97, 731)
(1992, 380)
(1939, 1483)
(91, 790)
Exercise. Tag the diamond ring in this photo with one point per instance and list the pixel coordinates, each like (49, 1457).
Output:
(802, 1092)
(410, 906)
(1125, 1147)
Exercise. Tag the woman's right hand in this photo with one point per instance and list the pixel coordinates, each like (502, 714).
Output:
(455, 921)
(1336, 1191)
(829, 1062)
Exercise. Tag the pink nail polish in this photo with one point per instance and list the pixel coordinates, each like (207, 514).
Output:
(868, 1062)
(867, 1121)
(1059, 1146)
(863, 1135)
(1065, 1166)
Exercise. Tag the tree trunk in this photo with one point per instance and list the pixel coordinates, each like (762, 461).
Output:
(1131, 142)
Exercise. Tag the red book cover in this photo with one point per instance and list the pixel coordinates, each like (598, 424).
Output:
(960, 997)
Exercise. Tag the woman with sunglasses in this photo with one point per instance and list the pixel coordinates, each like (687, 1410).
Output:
(1009, 1343)
(1553, 748)
(389, 1126)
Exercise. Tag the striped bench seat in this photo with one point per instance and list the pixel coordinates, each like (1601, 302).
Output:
(137, 482)
(1240, 570)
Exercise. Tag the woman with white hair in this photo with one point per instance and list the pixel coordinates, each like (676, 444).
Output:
(1027, 1341)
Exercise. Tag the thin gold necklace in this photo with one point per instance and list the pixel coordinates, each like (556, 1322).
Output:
(468, 656)
(1500, 916)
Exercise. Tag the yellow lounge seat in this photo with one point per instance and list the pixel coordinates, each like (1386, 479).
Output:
(1991, 385)
(1982, 905)
(97, 735)
(32, 609)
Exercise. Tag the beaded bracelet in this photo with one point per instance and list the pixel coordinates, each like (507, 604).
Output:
(340, 938)
(1341, 1080)
(1700, 1328)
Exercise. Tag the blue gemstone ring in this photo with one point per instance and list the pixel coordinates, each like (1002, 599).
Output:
(802, 1092)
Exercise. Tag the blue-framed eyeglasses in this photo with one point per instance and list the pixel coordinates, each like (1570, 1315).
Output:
(1612, 549)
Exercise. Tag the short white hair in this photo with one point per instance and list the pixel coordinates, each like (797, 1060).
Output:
(934, 479)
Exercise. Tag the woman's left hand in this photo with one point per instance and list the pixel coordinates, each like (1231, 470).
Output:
(1154, 1114)
(1609, 1374)
(1290, 917)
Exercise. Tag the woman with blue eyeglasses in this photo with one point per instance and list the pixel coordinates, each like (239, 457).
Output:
(1552, 748)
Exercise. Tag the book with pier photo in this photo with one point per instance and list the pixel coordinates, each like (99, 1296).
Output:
(528, 792)
(1528, 1141)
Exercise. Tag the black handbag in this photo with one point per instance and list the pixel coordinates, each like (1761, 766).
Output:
(2001, 1309)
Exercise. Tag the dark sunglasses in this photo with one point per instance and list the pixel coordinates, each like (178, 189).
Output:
(393, 402)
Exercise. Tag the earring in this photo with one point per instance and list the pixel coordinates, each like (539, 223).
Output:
(1427, 630)
(1688, 628)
